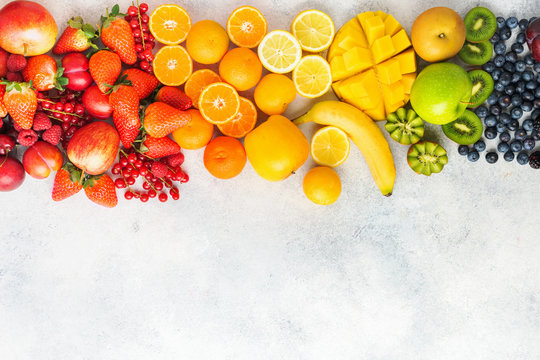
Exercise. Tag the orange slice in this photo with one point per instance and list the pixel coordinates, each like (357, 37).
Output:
(197, 82)
(169, 24)
(243, 122)
(172, 65)
(246, 26)
(219, 103)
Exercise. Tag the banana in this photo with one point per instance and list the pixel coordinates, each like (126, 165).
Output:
(363, 132)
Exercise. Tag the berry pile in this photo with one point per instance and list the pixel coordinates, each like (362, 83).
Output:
(514, 106)
(157, 175)
(138, 18)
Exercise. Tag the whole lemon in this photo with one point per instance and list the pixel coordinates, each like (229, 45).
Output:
(207, 42)
(274, 93)
(241, 68)
(322, 185)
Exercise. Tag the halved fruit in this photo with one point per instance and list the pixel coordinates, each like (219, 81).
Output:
(197, 82)
(314, 30)
(465, 130)
(246, 26)
(405, 126)
(169, 24)
(427, 157)
(330, 146)
(172, 65)
(312, 77)
(279, 52)
(219, 103)
(243, 122)
(483, 85)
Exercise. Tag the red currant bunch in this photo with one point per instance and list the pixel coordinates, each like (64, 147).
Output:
(138, 18)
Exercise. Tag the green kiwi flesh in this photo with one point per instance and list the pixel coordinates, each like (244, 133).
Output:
(465, 130)
(427, 157)
(480, 24)
(404, 126)
(476, 53)
(482, 87)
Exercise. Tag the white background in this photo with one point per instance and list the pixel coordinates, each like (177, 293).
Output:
(446, 268)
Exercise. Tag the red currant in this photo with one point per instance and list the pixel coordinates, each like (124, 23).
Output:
(138, 164)
(58, 115)
(148, 176)
(144, 29)
(143, 171)
(152, 193)
(79, 109)
(66, 126)
(158, 185)
(116, 169)
(144, 65)
(163, 197)
(185, 178)
(132, 10)
(128, 195)
(144, 198)
(132, 158)
(46, 105)
(68, 107)
(120, 183)
(135, 173)
(59, 106)
(139, 48)
(127, 18)
(146, 185)
(143, 8)
(134, 23)
(131, 180)
(123, 161)
(145, 18)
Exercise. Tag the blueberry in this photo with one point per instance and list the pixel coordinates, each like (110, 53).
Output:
(480, 146)
(521, 66)
(521, 38)
(536, 67)
(527, 96)
(516, 112)
(499, 60)
(501, 22)
(499, 86)
(515, 77)
(489, 67)
(535, 113)
(463, 149)
(492, 99)
(529, 143)
(496, 74)
(537, 92)
(520, 86)
(536, 103)
(490, 120)
(500, 127)
(523, 23)
(505, 118)
(510, 90)
(509, 67)
(516, 146)
(514, 124)
(531, 85)
(503, 147)
(500, 48)
(490, 133)
(481, 111)
(520, 134)
(529, 60)
(511, 57)
(504, 101)
(495, 38)
(508, 156)
(473, 156)
(527, 75)
(495, 110)
(523, 158)
(517, 48)
(492, 157)
(535, 135)
(505, 137)
(516, 100)
(526, 106)
(512, 22)
(506, 77)
(527, 125)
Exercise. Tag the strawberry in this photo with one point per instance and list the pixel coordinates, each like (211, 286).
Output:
(3, 62)
(143, 82)
(66, 182)
(125, 103)
(161, 119)
(3, 109)
(16, 63)
(100, 189)
(44, 73)
(159, 147)
(175, 97)
(116, 34)
(77, 37)
(21, 103)
(41, 121)
(105, 67)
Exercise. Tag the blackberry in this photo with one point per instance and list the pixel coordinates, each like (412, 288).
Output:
(536, 124)
(534, 160)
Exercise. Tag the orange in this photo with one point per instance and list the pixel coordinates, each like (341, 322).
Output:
(322, 185)
(197, 82)
(172, 65)
(274, 93)
(246, 26)
(219, 102)
(224, 157)
(207, 42)
(195, 134)
(169, 24)
(241, 68)
(243, 122)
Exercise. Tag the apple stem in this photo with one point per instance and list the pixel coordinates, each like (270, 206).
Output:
(82, 175)
(5, 158)
(25, 46)
(465, 102)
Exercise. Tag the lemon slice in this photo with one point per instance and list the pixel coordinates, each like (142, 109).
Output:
(312, 76)
(330, 146)
(314, 30)
(279, 52)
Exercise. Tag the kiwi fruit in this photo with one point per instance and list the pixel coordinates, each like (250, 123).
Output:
(405, 126)
(476, 53)
(427, 157)
(465, 130)
(482, 87)
(480, 24)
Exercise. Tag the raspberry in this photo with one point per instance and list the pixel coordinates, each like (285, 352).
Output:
(41, 121)
(52, 135)
(17, 127)
(159, 169)
(27, 137)
(16, 63)
(14, 76)
(176, 160)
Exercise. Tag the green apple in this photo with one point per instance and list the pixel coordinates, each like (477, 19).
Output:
(441, 93)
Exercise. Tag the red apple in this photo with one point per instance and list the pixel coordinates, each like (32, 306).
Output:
(26, 28)
(11, 173)
(533, 38)
(76, 70)
(97, 103)
(94, 147)
(41, 159)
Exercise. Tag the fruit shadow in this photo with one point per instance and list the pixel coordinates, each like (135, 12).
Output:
(433, 133)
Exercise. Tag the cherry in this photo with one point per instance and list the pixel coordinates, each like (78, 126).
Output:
(7, 143)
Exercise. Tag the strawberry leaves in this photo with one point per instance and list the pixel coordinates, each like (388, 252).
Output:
(115, 12)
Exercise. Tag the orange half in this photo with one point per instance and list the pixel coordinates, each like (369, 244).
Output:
(219, 103)
(172, 65)
(197, 82)
(169, 24)
(246, 26)
(243, 122)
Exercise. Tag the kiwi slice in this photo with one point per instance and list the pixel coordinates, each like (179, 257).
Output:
(476, 53)
(465, 130)
(480, 24)
(482, 87)
(427, 158)
(405, 126)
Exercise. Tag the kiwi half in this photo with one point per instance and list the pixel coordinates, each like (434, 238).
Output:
(482, 87)
(465, 130)
(480, 24)
(427, 158)
(476, 53)
(405, 126)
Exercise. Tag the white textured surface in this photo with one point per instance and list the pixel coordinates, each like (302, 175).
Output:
(447, 268)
